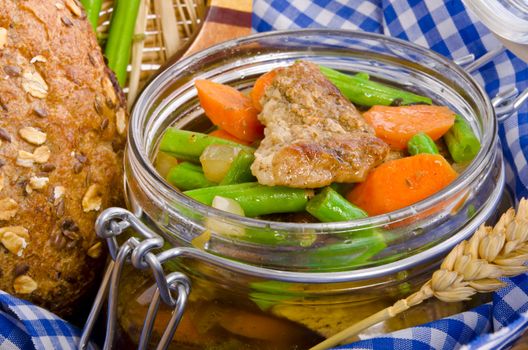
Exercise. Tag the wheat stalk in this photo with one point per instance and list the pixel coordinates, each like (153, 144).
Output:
(473, 266)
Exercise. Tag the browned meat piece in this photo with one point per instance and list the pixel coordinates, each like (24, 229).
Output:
(314, 136)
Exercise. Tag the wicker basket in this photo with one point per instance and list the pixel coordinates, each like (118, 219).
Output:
(157, 37)
(168, 29)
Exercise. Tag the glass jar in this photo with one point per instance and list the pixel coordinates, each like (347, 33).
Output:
(506, 18)
(284, 285)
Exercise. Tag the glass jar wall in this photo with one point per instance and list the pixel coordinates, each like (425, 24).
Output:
(300, 282)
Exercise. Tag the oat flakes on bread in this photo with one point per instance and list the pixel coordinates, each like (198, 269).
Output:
(62, 131)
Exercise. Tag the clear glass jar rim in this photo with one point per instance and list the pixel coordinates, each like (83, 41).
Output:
(138, 151)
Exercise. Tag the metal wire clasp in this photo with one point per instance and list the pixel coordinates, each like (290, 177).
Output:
(505, 103)
(173, 289)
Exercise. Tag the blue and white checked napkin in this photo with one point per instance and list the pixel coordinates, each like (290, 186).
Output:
(26, 326)
(444, 26)
(447, 28)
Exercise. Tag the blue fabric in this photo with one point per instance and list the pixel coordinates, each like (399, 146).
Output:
(447, 28)
(26, 326)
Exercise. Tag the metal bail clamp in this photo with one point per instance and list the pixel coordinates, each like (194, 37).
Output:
(506, 102)
(172, 289)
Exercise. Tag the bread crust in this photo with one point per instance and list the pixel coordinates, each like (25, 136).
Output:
(62, 131)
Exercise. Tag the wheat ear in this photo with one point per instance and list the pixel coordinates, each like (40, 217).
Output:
(473, 266)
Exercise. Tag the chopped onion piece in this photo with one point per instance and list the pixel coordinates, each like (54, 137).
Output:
(220, 226)
(227, 204)
(216, 160)
(164, 162)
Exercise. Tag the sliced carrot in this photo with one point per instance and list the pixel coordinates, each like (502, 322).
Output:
(227, 136)
(396, 125)
(402, 182)
(229, 109)
(260, 88)
(262, 327)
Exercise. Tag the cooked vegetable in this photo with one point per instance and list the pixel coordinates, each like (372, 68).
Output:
(402, 182)
(360, 90)
(462, 143)
(186, 176)
(393, 185)
(341, 187)
(227, 204)
(219, 226)
(259, 88)
(227, 136)
(330, 206)
(192, 166)
(421, 143)
(256, 199)
(117, 49)
(92, 8)
(189, 145)
(258, 326)
(240, 171)
(216, 160)
(164, 163)
(362, 75)
(266, 294)
(359, 248)
(396, 125)
(229, 109)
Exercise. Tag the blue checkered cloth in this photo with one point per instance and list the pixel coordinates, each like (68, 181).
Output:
(447, 28)
(26, 326)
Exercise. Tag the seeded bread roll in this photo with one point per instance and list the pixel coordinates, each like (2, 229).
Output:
(62, 131)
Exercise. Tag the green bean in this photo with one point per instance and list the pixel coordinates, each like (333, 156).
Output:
(359, 248)
(191, 166)
(421, 143)
(189, 145)
(266, 294)
(186, 176)
(462, 143)
(358, 89)
(240, 171)
(92, 8)
(330, 206)
(341, 188)
(122, 24)
(362, 75)
(256, 199)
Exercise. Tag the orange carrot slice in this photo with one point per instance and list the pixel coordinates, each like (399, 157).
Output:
(227, 136)
(402, 182)
(262, 327)
(260, 88)
(229, 109)
(396, 125)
